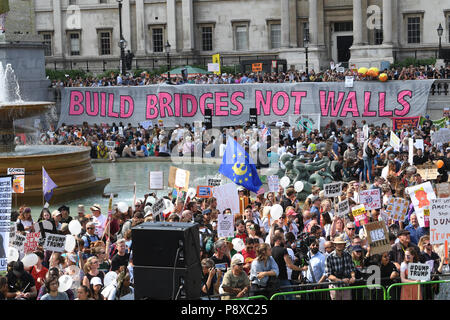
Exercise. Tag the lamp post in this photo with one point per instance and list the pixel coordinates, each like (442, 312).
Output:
(440, 31)
(122, 42)
(167, 47)
(305, 44)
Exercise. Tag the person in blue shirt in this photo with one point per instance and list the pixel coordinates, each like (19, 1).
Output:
(416, 232)
(315, 208)
(142, 150)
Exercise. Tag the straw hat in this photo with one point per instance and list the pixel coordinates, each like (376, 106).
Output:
(339, 240)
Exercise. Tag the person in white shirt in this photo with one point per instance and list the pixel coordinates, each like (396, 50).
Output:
(99, 220)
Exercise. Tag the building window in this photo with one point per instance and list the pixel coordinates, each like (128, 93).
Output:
(275, 36)
(448, 27)
(158, 40)
(379, 36)
(105, 42)
(207, 36)
(305, 28)
(47, 39)
(103, 1)
(413, 29)
(74, 43)
(241, 36)
(72, 2)
(343, 26)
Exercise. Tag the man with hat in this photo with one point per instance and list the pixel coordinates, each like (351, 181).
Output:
(21, 285)
(98, 219)
(65, 214)
(235, 281)
(56, 220)
(397, 253)
(340, 268)
(81, 211)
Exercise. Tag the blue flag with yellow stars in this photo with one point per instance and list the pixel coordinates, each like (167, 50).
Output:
(239, 167)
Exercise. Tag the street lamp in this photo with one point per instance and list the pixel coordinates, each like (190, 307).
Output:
(440, 31)
(122, 42)
(305, 44)
(167, 47)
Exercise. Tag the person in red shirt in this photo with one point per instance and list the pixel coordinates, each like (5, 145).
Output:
(240, 230)
(38, 271)
(249, 253)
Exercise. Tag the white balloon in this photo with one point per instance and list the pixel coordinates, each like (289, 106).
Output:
(298, 186)
(75, 227)
(65, 282)
(110, 277)
(238, 244)
(45, 223)
(122, 207)
(276, 211)
(30, 260)
(70, 243)
(284, 182)
(13, 254)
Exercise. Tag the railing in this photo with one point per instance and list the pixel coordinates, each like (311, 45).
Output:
(421, 289)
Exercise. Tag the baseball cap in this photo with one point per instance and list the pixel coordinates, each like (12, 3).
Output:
(95, 281)
(56, 213)
(236, 261)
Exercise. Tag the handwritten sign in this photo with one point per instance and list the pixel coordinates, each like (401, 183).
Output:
(55, 242)
(332, 189)
(214, 182)
(204, 191)
(156, 180)
(225, 225)
(227, 197)
(394, 141)
(378, 237)
(158, 207)
(343, 208)
(396, 208)
(439, 220)
(370, 199)
(274, 183)
(419, 271)
(32, 242)
(359, 212)
(18, 241)
(178, 178)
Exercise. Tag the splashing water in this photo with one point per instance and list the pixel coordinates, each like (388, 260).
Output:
(9, 85)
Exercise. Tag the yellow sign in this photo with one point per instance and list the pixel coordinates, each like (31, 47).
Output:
(216, 59)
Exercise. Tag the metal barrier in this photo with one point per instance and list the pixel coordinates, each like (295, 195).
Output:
(363, 289)
(421, 289)
(252, 298)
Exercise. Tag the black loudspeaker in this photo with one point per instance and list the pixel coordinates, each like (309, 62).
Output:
(156, 244)
(208, 118)
(253, 116)
(158, 283)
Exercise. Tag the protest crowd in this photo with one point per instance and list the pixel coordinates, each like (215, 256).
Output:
(310, 245)
(330, 75)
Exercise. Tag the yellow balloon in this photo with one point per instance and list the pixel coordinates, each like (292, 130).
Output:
(373, 72)
(362, 70)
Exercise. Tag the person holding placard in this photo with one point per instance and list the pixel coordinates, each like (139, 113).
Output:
(409, 292)
(397, 253)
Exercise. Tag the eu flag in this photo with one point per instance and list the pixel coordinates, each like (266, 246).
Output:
(47, 185)
(239, 167)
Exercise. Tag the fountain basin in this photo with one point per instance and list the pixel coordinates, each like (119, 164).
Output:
(68, 166)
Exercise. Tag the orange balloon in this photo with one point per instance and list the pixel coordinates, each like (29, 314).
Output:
(440, 164)
(383, 77)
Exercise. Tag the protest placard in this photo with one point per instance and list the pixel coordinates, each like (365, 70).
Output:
(225, 225)
(394, 141)
(421, 195)
(439, 220)
(227, 197)
(273, 183)
(349, 81)
(427, 172)
(443, 190)
(371, 198)
(332, 189)
(441, 136)
(32, 242)
(396, 208)
(411, 151)
(178, 178)
(418, 144)
(18, 185)
(419, 271)
(156, 180)
(158, 207)
(147, 124)
(110, 144)
(55, 242)
(215, 182)
(343, 208)
(359, 212)
(18, 241)
(204, 191)
(5, 218)
(377, 237)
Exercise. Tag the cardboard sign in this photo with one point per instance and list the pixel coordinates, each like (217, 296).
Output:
(204, 191)
(214, 182)
(273, 183)
(397, 208)
(359, 212)
(18, 185)
(421, 195)
(371, 199)
(18, 242)
(225, 225)
(227, 197)
(377, 237)
(443, 190)
(257, 67)
(32, 242)
(428, 173)
(343, 208)
(394, 141)
(332, 189)
(440, 220)
(419, 271)
(156, 180)
(179, 178)
(55, 242)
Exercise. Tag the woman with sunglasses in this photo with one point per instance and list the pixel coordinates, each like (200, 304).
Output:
(409, 292)
(91, 270)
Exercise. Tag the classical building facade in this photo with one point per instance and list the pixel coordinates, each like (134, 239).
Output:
(85, 33)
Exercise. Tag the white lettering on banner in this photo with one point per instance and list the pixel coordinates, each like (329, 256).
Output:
(440, 220)
(231, 105)
(370, 198)
(333, 189)
(5, 218)
(419, 271)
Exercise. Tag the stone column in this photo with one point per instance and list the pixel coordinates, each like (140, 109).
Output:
(284, 23)
(58, 48)
(357, 22)
(293, 23)
(387, 21)
(126, 24)
(171, 25)
(140, 27)
(188, 25)
(313, 23)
